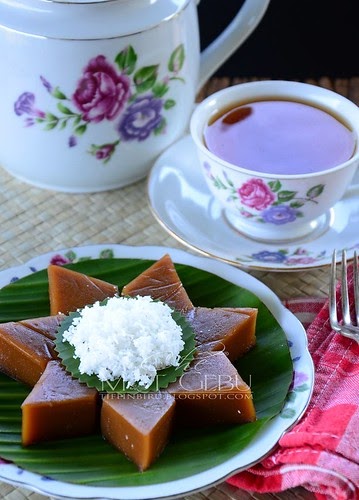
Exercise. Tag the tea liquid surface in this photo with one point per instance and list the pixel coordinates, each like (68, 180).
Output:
(280, 137)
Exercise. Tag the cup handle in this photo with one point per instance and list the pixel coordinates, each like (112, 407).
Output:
(231, 38)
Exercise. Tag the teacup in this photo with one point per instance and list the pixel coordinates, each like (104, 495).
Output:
(288, 204)
(95, 90)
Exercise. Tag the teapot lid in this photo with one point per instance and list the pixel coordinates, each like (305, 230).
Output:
(86, 19)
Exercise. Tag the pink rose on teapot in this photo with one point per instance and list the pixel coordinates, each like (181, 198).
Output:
(101, 92)
(97, 89)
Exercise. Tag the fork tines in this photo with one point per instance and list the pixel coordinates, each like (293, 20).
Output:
(347, 326)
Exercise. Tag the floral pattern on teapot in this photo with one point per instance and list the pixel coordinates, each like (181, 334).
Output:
(265, 202)
(109, 91)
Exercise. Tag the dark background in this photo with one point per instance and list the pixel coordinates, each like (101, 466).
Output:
(295, 39)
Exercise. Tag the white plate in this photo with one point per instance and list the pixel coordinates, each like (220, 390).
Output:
(183, 205)
(259, 446)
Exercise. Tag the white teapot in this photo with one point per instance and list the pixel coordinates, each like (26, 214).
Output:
(95, 90)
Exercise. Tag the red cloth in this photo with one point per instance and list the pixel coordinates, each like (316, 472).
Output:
(321, 453)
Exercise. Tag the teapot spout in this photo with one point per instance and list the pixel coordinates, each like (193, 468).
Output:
(243, 24)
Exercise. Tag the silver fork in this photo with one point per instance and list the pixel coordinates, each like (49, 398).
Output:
(347, 326)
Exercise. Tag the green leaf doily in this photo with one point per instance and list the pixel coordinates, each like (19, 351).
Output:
(164, 377)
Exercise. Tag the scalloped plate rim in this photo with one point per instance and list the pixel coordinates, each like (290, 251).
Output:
(267, 438)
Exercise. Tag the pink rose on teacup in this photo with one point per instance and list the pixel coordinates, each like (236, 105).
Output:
(102, 92)
(256, 194)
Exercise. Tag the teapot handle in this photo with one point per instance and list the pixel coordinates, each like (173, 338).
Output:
(231, 38)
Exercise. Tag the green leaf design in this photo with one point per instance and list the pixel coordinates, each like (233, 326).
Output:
(177, 58)
(80, 130)
(58, 94)
(165, 377)
(275, 186)
(70, 255)
(160, 89)
(315, 191)
(106, 254)
(284, 196)
(145, 78)
(169, 103)
(126, 60)
(77, 120)
(51, 118)
(65, 110)
(288, 413)
(92, 461)
(178, 78)
(296, 204)
(218, 183)
(51, 125)
(302, 388)
(291, 396)
(159, 129)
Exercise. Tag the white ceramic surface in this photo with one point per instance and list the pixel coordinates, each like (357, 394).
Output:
(261, 444)
(185, 207)
(275, 207)
(94, 91)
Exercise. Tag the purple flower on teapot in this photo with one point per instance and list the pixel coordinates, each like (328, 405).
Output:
(25, 105)
(101, 92)
(141, 118)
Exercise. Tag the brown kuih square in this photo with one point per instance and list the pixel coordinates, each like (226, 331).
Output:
(230, 330)
(138, 424)
(46, 325)
(70, 290)
(212, 392)
(59, 407)
(161, 282)
(24, 353)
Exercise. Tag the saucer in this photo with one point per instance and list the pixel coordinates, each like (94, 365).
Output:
(184, 206)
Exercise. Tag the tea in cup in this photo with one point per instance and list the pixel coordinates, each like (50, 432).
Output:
(277, 155)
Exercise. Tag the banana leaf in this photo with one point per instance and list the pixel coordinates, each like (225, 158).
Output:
(90, 460)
